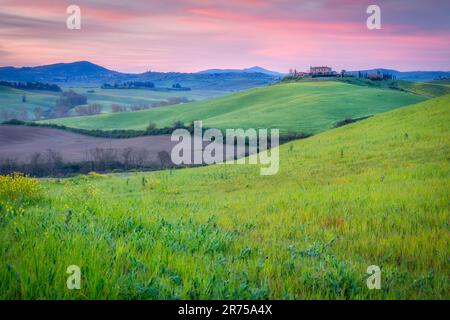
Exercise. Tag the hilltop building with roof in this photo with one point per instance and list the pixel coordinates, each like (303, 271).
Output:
(322, 71)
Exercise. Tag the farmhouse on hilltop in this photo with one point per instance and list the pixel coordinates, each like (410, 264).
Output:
(323, 71)
(315, 72)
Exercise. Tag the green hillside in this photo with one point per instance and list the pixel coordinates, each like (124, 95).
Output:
(11, 100)
(303, 107)
(423, 88)
(426, 89)
(130, 97)
(445, 82)
(370, 193)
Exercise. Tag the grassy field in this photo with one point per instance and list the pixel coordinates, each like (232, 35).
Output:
(426, 89)
(374, 192)
(444, 82)
(431, 90)
(301, 107)
(127, 97)
(11, 100)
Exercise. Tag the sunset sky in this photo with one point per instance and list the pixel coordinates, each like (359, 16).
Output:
(193, 35)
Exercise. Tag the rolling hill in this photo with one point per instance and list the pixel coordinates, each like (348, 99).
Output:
(58, 72)
(11, 100)
(444, 82)
(373, 192)
(431, 90)
(85, 73)
(415, 76)
(426, 89)
(308, 107)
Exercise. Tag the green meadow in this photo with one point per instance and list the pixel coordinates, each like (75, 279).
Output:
(444, 82)
(374, 192)
(307, 107)
(11, 100)
(129, 97)
(426, 89)
(430, 90)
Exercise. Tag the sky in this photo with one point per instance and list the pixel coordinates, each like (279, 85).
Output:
(193, 35)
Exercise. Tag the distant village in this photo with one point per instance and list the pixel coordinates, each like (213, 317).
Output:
(324, 72)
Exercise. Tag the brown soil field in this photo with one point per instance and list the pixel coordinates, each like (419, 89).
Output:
(19, 143)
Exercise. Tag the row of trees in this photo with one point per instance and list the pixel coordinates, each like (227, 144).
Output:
(90, 109)
(51, 163)
(296, 75)
(151, 130)
(376, 76)
(179, 87)
(31, 86)
(130, 85)
(142, 85)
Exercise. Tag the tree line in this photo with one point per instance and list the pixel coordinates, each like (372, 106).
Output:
(129, 85)
(50, 163)
(151, 130)
(31, 86)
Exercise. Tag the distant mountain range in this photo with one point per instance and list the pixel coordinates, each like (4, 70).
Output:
(247, 70)
(87, 73)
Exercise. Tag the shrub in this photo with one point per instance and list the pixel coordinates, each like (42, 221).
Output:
(151, 126)
(178, 124)
(96, 174)
(19, 189)
(347, 121)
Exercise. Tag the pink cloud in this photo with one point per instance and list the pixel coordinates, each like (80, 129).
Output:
(191, 35)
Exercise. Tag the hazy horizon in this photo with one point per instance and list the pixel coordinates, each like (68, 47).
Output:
(218, 68)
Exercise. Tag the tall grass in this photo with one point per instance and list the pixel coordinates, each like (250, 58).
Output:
(370, 193)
